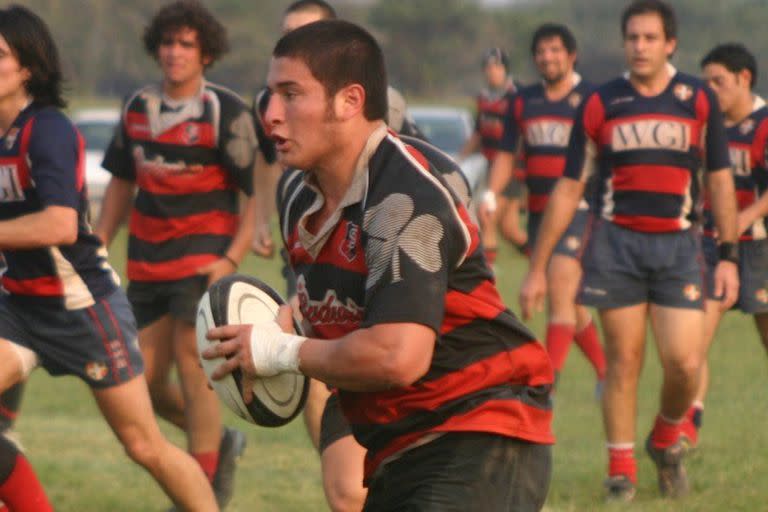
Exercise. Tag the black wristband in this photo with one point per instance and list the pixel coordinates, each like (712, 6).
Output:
(728, 251)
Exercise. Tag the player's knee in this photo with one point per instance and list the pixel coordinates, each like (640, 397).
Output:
(625, 363)
(345, 495)
(143, 452)
(685, 366)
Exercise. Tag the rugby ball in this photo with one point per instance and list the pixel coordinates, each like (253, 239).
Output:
(239, 299)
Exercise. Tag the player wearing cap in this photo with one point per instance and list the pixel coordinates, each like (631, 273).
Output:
(492, 103)
(645, 136)
(538, 123)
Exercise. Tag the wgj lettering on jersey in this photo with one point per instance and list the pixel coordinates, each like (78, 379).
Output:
(10, 185)
(548, 132)
(740, 159)
(651, 134)
(159, 167)
(330, 310)
(349, 245)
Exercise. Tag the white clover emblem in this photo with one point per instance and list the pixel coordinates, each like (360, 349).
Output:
(392, 229)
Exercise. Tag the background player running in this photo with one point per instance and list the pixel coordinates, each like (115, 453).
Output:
(64, 309)
(731, 71)
(645, 136)
(492, 105)
(188, 146)
(538, 123)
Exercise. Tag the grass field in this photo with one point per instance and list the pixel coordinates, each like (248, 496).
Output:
(84, 469)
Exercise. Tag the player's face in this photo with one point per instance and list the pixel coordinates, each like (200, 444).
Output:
(294, 20)
(553, 60)
(12, 75)
(180, 57)
(300, 116)
(731, 88)
(495, 74)
(646, 46)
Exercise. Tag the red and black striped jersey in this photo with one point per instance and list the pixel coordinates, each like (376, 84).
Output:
(646, 151)
(188, 159)
(401, 248)
(492, 105)
(747, 144)
(538, 129)
(42, 164)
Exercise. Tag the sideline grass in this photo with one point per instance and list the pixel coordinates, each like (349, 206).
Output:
(84, 469)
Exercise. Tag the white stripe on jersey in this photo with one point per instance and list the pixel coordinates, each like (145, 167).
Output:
(76, 292)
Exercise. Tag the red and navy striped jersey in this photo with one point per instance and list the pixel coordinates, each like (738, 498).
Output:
(188, 159)
(646, 151)
(747, 143)
(42, 164)
(401, 248)
(541, 128)
(492, 105)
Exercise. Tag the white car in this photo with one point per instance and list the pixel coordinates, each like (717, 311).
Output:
(97, 127)
(448, 128)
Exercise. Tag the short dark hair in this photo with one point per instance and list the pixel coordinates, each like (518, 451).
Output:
(304, 5)
(550, 30)
(187, 14)
(734, 57)
(664, 11)
(339, 53)
(31, 43)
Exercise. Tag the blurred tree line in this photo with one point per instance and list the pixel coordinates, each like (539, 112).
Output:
(433, 47)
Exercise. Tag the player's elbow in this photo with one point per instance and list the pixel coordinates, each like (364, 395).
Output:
(403, 368)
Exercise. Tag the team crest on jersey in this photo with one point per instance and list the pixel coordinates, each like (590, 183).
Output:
(96, 370)
(191, 133)
(692, 292)
(348, 246)
(574, 99)
(746, 126)
(10, 137)
(761, 295)
(683, 92)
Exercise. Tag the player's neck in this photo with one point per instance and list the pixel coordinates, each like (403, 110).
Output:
(558, 90)
(336, 172)
(740, 111)
(652, 85)
(182, 90)
(10, 107)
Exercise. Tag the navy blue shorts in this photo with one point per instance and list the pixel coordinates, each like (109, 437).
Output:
(624, 267)
(514, 189)
(153, 300)
(98, 344)
(753, 274)
(572, 242)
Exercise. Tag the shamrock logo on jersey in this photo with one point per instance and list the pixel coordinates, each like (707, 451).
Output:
(393, 230)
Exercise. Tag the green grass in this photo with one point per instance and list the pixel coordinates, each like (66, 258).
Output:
(84, 469)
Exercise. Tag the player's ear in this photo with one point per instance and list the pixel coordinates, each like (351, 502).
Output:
(671, 46)
(350, 101)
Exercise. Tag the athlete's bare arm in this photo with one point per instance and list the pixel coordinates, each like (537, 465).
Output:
(115, 207)
(381, 357)
(472, 145)
(51, 227)
(560, 210)
(752, 213)
(723, 194)
(501, 171)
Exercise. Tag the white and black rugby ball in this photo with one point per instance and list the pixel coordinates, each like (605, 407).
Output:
(239, 299)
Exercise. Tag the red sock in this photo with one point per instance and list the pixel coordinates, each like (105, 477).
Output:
(665, 432)
(559, 337)
(621, 461)
(22, 490)
(209, 462)
(490, 255)
(589, 342)
(691, 424)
